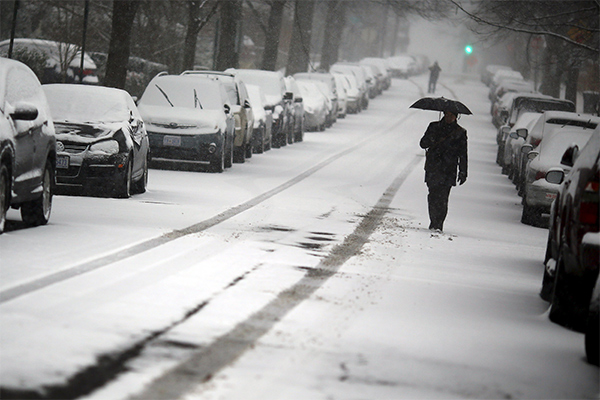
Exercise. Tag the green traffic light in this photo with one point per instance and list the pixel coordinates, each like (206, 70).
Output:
(468, 49)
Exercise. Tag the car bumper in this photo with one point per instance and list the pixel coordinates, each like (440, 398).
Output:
(79, 171)
(185, 147)
(541, 194)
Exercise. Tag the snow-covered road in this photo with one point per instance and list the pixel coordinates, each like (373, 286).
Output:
(255, 283)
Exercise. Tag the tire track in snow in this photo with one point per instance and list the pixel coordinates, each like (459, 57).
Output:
(203, 364)
(43, 282)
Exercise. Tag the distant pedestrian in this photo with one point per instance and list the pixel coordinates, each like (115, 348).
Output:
(434, 74)
(445, 143)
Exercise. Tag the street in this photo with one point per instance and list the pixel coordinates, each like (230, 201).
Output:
(306, 273)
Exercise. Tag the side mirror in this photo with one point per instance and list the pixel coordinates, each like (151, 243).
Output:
(226, 108)
(505, 130)
(24, 112)
(522, 133)
(246, 104)
(555, 175)
(526, 148)
(288, 96)
(268, 107)
(298, 100)
(570, 155)
(514, 135)
(532, 154)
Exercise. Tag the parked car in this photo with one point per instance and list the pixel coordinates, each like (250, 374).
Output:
(263, 119)
(383, 69)
(278, 97)
(298, 107)
(62, 60)
(188, 120)
(514, 140)
(510, 85)
(359, 75)
(546, 125)
(571, 266)
(353, 98)
(538, 193)
(330, 90)
(342, 86)
(102, 144)
(489, 71)
(402, 66)
(315, 106)
(27, 145)
(240, 106)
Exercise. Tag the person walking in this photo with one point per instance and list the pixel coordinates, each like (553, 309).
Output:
(445, 143)
(434, 74)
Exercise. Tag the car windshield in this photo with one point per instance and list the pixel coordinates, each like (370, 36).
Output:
(80, 103)
(570, 122)
(186, 93)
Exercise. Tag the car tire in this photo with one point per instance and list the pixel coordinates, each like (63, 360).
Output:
(123, 185)
(37, 212)
(239, 156)
(217, 163)
(140, 185)
(531, 215)
(259, 145)
(592, 345)
(249, 150)
(4, 185)
(228, 153)
(564, 301)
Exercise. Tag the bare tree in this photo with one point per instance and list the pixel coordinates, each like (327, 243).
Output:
(269, 61)
(229, 34)
(335, 22)
(299, 55)
(118, 51)
(195, 23)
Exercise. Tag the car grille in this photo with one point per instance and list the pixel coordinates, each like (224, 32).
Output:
(74, 147)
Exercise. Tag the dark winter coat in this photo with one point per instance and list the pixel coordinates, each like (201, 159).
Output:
(435, 72)
(446, 147)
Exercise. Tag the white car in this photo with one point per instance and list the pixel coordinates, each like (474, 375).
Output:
(263, 119)
(315, 106)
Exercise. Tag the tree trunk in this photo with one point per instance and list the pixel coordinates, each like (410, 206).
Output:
(191, 36)
(120, 38)
(269, 61)
(336, 17)
(572, 78)
(299, 57)
(228, 46)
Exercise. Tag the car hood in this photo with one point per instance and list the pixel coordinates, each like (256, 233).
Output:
(182, 120)
(85, 132)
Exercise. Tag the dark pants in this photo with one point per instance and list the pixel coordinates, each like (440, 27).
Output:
(438, 204)
(432, 83)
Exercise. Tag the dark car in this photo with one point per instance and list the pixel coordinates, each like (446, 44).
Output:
(571, 263)
(189, 120)
(27, 145)
(240, 106)
(102, 144)
(592, 328)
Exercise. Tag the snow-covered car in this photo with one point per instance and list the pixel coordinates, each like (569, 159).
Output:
(382, 68)
(240, 106)
(315, 106)
(27, 145)
(359, 75)
(402, 66)
(539, 193)
(353, 99)
(514, 140)
(263, 119)
(571, 263)
(273, 86)
(342, 86)
(297, 106)
(490, 70)
(330, 91)
(102, 144)
(188, 120)
(502, 75)
(546, 125)
(62, 60)
(510, 85)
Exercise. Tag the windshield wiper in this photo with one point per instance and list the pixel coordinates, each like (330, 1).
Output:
(164, 94)
(196, 100)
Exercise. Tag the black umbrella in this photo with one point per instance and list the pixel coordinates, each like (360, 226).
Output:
(441, 104)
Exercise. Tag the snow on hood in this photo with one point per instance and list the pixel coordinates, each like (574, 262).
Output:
(85, 133)
(186, 121)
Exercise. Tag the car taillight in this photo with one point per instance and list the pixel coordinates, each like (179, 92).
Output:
(535, 142)
(87, 72)
(588, 209)
(540, 175)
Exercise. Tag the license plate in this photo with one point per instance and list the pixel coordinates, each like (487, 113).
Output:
(62, 162)
(172, 141)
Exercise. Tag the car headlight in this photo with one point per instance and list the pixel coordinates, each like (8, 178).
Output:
(106, 147)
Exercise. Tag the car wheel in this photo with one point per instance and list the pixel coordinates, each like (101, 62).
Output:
(37, 212)
(239, 156)
(123, 186)
(228, 153)
(592, 347)
(140, 185)
(565, 300)
(531, 215)
(4, 185)
(248, 148)
(217, 164)
(259, 145)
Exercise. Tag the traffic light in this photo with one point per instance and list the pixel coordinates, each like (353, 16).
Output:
(468, 49)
